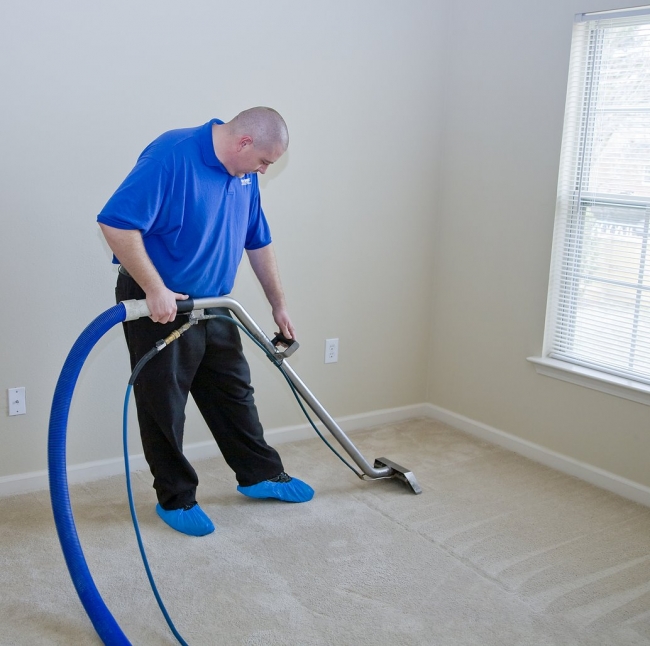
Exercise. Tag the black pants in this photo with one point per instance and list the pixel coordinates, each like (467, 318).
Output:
(208, 362)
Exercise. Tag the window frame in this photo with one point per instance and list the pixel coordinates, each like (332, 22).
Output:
(575, 369)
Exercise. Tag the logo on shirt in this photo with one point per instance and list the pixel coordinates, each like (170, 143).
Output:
(245, 181)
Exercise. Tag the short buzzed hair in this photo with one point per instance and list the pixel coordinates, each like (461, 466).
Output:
(265, 125)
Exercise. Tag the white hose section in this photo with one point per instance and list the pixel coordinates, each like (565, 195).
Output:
(135, 309)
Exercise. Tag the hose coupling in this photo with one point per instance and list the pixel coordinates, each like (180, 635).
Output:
(176, 334)
(200, 315)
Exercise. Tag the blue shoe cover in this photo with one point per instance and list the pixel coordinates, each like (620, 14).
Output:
(192, 521)
(283, 487)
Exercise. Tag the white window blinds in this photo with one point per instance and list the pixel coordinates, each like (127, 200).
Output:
(599, 297)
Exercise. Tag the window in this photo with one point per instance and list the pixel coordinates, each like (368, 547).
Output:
(598, 315)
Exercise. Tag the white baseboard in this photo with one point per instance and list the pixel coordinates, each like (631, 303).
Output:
(90, 471)
(587, 472)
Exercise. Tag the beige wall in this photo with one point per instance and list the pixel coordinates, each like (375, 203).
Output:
(412, 216)
(87, 85)
(505, 84)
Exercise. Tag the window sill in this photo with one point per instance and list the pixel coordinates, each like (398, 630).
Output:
(593, 379)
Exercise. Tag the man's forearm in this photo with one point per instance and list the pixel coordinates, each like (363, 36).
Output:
(128, 247)
(266, 270)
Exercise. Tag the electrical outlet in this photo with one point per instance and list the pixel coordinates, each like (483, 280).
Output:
(16, 400)
(331, 350)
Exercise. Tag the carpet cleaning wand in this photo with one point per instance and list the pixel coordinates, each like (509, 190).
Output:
(382, 468)
(277, 350)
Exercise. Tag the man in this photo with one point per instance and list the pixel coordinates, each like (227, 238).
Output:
(178, 226)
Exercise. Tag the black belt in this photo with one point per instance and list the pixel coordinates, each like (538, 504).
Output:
(123, 271)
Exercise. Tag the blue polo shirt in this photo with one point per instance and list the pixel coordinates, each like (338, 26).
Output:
(195, 218)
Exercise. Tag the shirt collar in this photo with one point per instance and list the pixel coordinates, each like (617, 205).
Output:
(207, 147)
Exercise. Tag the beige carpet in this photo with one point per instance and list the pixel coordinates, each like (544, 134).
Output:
(496, 551)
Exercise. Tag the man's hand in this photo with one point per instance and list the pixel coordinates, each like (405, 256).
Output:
(281, 318)
(162, 304)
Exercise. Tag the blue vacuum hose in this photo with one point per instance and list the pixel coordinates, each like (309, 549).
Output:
(101, 618)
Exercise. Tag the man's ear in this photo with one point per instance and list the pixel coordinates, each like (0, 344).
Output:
(245, 140)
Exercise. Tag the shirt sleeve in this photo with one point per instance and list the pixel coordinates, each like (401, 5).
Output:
(259, 233)
(138, 201)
